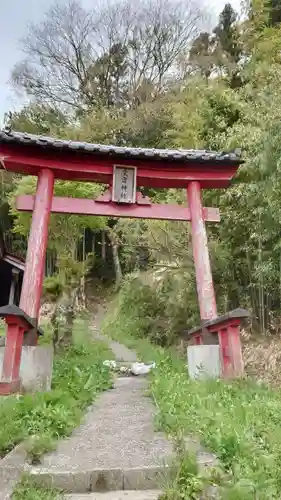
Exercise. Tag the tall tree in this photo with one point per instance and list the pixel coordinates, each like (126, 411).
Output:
(219, 52)
(76, 57)
(227, 33)
(37, 118)
(202, 55)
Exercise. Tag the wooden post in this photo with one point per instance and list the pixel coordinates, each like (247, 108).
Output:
(198, 340)
(37, 245)
(226, 363)
(17, 322)
(12, 355)
(103, 245)
(232, 358)
(235, 347)
(15, 275)
(204, 280)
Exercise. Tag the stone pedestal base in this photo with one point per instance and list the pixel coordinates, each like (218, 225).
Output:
(35, 370)
(203, 361)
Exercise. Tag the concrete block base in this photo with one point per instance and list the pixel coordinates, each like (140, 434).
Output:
(35, 370)
(203, 361)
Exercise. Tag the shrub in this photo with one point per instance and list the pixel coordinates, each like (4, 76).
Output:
(157, 308)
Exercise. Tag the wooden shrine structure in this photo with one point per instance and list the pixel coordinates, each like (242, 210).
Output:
(125, 170)
(11, 273)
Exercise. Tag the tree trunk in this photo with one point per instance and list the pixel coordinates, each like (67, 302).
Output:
(103, 245)
(63, 319)
(117, 266)
(69, 317)
(116, 260)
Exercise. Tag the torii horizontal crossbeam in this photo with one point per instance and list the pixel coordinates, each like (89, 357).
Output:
(79, 206)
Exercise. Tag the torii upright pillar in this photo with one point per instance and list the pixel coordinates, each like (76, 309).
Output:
(227, 329)
(21, 321)
(204, 279)
(37, 245)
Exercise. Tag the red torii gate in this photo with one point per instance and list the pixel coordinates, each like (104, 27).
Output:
(124, 170)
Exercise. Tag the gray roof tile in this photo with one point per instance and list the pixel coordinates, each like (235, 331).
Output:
(177, 155)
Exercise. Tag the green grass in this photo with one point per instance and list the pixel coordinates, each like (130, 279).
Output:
(2, 328)
(27, 490)
(43, 418)
(238, 420)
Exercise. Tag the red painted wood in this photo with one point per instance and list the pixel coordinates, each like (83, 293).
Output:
(106, 197)
(82, 206)
(235, 348)
(7, 388)
(219, 326)
(204, 280)
(84, 167)
(37, 245)
(230, 347)
(226, 365)
(143, 200)
(12, 353)
(224, 324)
(198, 340)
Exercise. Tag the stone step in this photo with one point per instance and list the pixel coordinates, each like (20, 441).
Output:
(117, 495)
(101, 480)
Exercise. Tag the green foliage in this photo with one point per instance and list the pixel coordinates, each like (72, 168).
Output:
(220, 50)
(37, 118)
(53, 287)
(227, 32)
(68, 277)
(221, 111)
(155, 306)
(237, 420)
(2, 328)
(148, 127)
(64, 231)
(28, 490)
(188, 483)
(274, 8)
(42, 418)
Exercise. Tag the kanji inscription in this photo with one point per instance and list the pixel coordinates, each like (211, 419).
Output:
(124, 184)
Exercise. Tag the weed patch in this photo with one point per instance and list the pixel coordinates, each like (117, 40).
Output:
(28, 490)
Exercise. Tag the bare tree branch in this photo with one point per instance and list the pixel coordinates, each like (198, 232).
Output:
(121, 52)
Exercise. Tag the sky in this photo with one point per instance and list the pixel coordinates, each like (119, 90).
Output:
(14, 18)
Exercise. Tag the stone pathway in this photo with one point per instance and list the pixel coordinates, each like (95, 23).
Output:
(120, 351)
(117, 433)
(116, 448)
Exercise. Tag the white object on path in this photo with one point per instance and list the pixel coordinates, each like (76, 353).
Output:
(136, 368)
(141, 368)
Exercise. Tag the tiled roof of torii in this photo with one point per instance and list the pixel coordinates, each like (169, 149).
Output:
(169, 155)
